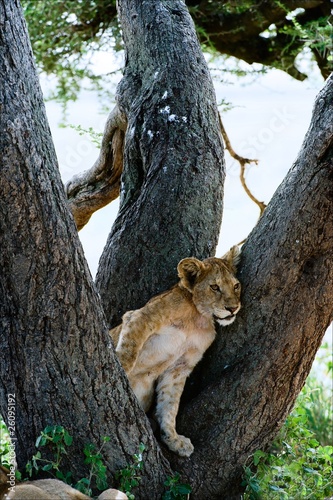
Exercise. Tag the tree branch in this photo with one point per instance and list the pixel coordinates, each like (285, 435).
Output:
(254, 371)
(52, 325)
(95, 188)
(242, 161)
(238, 34)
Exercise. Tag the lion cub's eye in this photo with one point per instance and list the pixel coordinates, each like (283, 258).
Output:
(236, 286)
(216, 288)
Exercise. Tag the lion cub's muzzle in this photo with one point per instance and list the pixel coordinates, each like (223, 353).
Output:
(227, 320)
(232, 310)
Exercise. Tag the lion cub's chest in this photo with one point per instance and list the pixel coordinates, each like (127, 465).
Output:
(170, 346)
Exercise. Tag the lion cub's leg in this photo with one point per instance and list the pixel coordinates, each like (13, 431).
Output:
(134, 331)
(143, 387)
(169, 389)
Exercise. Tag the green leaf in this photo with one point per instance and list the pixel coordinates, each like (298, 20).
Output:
(68, 438)
(258, 455)
(276, 488)
(38, 440)
(309, 470)
(60, 475)
(28, 468)
(101, 483)
(85, 480)
(83, 486)
(89, 449)
(47, 467)
(184, 489)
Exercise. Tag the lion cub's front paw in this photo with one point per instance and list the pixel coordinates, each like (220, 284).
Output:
(180, 445)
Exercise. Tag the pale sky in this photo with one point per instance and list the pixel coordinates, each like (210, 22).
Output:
(268, 122)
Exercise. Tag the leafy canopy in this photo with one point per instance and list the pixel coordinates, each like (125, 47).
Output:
(67, 34)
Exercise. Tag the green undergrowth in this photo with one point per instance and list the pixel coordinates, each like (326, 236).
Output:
(299, 463)
(53, 445)
(56, 442)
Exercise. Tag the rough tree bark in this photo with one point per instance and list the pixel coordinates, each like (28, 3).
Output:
(100, 185)
(56, 355)
(253, 373)
(286, 271)
(172, 184)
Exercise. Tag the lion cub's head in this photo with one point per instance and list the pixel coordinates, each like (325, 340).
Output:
(214, 287)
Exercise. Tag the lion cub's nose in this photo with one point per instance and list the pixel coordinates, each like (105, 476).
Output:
(231, 309)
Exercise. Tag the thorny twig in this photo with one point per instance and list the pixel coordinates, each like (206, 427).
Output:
(242, 161)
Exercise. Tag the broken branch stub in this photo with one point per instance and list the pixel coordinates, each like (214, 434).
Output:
(98, 186)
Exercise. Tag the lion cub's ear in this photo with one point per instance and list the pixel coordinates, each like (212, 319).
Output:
(189, 270)
(232, 257)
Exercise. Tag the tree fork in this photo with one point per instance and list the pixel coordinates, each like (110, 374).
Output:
(172, 182)
(54, 345)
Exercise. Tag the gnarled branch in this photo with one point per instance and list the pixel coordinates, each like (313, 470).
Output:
(242, 161)
(95, 188)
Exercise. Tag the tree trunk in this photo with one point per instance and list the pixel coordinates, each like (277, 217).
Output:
(253, 373)
(56, 355)
(245, 388)
(172, 183)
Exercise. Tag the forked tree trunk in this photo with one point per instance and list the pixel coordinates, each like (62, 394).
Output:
(172, 183)
(55, 353)
(254, 372)
(56, 356)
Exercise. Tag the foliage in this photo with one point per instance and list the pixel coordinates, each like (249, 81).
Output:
(314, 34)
(56, 439)
(318, 409)
(299, 462)
(97, 469)
(66, 35)
(4, 444)
(176, 489)
(129, 477)
(95, 137)
(301, 469)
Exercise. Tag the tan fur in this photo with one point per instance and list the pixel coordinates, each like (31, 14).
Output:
(159, 344)
(53, 489)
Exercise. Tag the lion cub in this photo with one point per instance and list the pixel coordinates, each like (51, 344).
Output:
(160, 344)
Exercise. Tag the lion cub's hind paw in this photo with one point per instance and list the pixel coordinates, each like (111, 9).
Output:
(181, 445)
